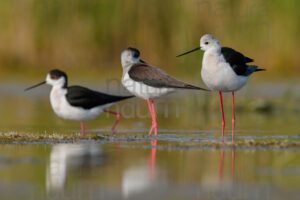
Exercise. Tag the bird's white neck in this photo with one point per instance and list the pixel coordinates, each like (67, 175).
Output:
(213, 51)
(57, 92)
(210, 61)
(126, 69)
(58, 87)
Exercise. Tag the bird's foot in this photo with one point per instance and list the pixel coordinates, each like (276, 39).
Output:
(153, 127)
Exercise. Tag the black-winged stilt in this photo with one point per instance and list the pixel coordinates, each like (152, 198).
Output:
(76, 102)
(223, 70)
(148, 82)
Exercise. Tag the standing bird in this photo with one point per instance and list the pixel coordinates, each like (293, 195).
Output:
(223, 70)
(148, 82)
(76, 102)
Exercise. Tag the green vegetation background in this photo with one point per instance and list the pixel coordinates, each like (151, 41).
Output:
(87, 36)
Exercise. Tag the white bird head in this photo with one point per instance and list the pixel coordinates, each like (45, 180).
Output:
(55, 78)
(208, 41)
(129, 57)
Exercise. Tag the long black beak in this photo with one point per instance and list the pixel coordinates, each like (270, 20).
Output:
(34, 86)
(142, 61)
(196, 49)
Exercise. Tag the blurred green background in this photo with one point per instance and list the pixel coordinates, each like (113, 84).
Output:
(85, 39)
(89, 35)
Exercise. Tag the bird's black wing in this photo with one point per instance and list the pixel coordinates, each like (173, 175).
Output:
(236, 60)
(85, 98)
(234, 57)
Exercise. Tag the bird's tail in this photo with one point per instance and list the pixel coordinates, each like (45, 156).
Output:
(120, 98)
(253, 68)
(113, 98)
(191, 87)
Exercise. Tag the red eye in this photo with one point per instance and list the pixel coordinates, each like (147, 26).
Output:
(53, 77)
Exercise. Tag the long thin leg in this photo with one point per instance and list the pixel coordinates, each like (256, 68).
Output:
(222, 111)
(82, 128)
(150, 107)
(233, 117)
(118, 115)
(154, 117)
(151, 112)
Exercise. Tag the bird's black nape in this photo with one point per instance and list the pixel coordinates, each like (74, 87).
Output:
(56, 74)
(136, 52)
(196, 49)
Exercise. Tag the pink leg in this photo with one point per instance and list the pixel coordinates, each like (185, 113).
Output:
(117, 120)
(154, 118)
(233, 117)
(150, 107)
(82, 128)
(152, 112)
(222, 111)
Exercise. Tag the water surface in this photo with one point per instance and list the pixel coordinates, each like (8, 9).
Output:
(145, 170)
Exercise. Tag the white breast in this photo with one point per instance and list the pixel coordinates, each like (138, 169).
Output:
(219, 76)
(64, 110)
(142, 90)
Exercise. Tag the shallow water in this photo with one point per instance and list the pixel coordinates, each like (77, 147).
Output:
(145, 170)
(171, 166)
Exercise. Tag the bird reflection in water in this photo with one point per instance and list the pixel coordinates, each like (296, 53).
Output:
(70, 157)
(222, 165)
(152, 156)
(141, 178)
(232, 165)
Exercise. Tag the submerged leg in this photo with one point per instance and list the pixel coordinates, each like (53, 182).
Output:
(82, 128)
(222, 112)
(118, 115)
(233, 117)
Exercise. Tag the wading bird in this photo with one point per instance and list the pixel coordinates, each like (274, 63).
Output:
(148, 82)
(223, 70)
(76, 102)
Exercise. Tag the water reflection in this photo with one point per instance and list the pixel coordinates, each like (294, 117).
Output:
(150, 170)
(152, 156)
(221, 165)
(221, 170)
(141, 178)
(232, 165)
(70, 157)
